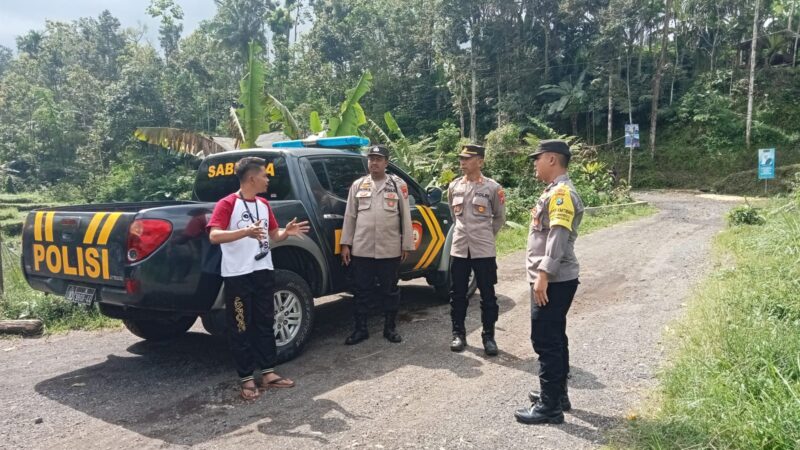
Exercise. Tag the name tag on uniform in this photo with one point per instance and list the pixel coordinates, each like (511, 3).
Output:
(362, 194)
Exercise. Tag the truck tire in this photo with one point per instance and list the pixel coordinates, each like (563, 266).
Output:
(443, 289)
(159, 329)
(294, 315)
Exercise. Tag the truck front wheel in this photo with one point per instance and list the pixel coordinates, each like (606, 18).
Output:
(159, 329)
(294, 315)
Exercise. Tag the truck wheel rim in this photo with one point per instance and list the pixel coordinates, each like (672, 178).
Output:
(288, 316)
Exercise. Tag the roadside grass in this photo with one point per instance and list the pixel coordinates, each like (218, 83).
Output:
(511, 239)
(733, 380)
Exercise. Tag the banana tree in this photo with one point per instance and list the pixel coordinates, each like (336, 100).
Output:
(351, 115)
(251, 87)
(570, 99)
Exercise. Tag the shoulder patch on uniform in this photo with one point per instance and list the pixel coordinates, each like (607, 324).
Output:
(501, 194)
(561, 209)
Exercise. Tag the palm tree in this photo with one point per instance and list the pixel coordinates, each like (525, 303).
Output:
(570, 99)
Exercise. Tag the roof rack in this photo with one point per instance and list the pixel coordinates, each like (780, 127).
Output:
(351, 142)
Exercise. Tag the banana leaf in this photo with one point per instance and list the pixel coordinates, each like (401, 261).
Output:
(252, 92)
(280, 113)
(351, 114)
(314, 123)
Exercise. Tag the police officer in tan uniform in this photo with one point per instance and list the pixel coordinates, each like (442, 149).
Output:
(553, 275)
(376, 236)
(478, 205)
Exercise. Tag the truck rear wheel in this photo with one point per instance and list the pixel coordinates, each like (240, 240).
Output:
(159, 329)
(294, 315)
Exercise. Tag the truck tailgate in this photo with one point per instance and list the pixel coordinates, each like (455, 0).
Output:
(85, 246)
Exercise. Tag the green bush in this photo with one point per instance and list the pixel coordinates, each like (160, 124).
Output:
(745, 215)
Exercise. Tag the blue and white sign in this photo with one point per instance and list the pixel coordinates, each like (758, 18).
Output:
(632, 135)
(766, 163)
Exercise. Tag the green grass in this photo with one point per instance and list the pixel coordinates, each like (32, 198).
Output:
(733, 380)
(512, 239)
(19, 301)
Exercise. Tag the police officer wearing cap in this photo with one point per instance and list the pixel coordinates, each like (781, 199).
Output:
(553, 276)
(478, 205)
(376, 236)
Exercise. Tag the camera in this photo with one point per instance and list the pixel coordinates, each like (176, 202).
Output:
(261, 255)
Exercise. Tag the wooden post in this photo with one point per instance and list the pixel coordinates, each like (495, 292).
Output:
(32, 327)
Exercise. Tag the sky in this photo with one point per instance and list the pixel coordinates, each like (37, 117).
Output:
(20, 16)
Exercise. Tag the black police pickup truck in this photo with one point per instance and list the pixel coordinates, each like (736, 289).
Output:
(151, 264)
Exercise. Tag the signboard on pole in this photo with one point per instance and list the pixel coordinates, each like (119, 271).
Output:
(766, 163)
(632, 135)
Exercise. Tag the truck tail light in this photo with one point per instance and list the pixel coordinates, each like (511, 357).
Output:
(145, 236)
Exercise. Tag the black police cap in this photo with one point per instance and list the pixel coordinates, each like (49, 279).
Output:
(470, 150)
(552, 146)
(381, 150)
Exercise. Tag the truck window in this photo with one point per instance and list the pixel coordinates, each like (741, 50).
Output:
(330, 179)
(216, 178)
(337, 174)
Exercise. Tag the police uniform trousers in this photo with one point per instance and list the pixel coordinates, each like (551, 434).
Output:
(366, 271)
(549, 336)
(486, 277)
(250, 316)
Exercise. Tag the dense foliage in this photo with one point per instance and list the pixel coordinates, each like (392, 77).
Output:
(72, 93)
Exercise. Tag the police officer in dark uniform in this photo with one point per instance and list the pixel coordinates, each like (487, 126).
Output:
(478, 205)
(376, 236)
(553, 276)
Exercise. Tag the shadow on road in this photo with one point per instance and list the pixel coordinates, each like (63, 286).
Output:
(184, 391)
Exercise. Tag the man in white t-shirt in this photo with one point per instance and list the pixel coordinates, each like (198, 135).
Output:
(243, 225)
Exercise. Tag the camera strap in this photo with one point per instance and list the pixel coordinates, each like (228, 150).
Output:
(249, 214)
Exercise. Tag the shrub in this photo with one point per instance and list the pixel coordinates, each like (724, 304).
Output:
(745, 215)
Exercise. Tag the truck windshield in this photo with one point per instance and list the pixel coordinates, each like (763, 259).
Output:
(216, 177)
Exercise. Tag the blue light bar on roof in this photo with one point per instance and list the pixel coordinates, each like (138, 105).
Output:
(331, 142)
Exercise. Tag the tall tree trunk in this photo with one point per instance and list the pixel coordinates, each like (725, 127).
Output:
(473, 101)
(573, 118)
(657, 79)
(610, 104)
(751, 84)
(500, 115)
(675, 70)
(794, 53)
(628, 86)
(546, 52)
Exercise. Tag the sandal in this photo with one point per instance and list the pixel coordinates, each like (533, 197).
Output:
(277, 383)
(249, 393)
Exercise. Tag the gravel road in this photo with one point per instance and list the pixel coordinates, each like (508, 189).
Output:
(109, 389)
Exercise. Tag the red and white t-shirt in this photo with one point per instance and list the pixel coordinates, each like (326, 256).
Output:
(238, 257)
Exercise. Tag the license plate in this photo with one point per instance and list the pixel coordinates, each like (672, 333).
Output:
(80, 294)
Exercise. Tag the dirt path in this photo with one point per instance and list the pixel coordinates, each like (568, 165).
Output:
(109, 389)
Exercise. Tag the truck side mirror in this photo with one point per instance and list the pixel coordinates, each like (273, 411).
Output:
(434, 195)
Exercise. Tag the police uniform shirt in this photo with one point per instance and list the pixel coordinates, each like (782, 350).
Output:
(479, 211)
(372, 218)
(553, 231)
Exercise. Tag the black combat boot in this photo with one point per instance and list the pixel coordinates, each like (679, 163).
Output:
(459, 341)
(546, 410)
(360, 333)
(566, 405)
(489, 345)
(389, 328)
